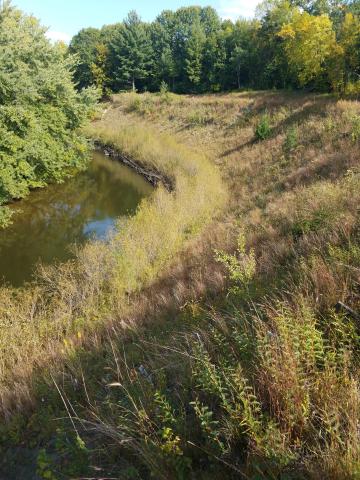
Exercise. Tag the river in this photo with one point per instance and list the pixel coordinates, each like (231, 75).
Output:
(51, 220)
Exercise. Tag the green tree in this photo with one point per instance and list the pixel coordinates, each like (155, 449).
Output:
(84, 45)
(318, 7)
(98, 67)
(40, 110)
(215, 53)
(214, 62)
(310, 42)
(194, 54)
(166, 65)
(162, 42)
(291, 43)
(188, 38)
(349, 40)
(354, 7)
(270, 65)
(237, 60)
(133, 52)
(242, 47)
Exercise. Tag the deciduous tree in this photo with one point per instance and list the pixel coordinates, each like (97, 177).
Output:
(309, 43)
(194, 54)
(40, 110)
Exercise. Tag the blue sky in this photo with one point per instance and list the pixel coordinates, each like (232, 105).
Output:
(65, 18)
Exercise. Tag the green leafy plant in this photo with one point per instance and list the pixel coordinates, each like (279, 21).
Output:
(170, 442)
(45, 466)
(5, 217)
(241, 266)
(263, 128)
(314, 222)
(164, 88)
(209, 426)
(291, 139)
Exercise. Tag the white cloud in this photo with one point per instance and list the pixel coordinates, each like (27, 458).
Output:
(58, 36)
(233, 9)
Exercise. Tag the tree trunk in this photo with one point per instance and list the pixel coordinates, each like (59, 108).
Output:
(133, 85)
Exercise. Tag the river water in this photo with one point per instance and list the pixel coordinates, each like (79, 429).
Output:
(51, 220)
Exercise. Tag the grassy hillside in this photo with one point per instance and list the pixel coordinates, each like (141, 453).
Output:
(242, 356)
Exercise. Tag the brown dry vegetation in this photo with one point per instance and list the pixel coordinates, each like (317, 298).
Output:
(71, 302)
(245, 364)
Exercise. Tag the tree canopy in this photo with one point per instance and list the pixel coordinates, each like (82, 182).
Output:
(310, 44)
(40, 109)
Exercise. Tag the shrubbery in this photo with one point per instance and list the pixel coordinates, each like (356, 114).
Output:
(263, 128)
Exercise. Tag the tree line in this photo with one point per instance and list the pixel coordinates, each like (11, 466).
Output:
(313, 44)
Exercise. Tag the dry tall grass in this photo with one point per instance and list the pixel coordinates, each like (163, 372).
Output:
(77, 298)
(264, 381)
(256, 377)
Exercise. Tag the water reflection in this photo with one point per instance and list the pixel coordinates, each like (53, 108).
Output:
(53, 219)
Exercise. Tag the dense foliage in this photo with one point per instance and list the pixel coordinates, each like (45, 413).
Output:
(40, 110)
(291, 44)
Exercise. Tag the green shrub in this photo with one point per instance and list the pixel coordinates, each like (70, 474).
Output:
(314, 222)
(353, 88)
(166, 97)
(263, 128)
(142, 103)
(241, 266)
(134, 103)
(291, 139)
(164, 88)
(45, 467)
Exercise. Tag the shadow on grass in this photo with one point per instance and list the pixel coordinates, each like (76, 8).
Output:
(314, 110)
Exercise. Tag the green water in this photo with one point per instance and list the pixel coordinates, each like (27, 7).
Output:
(50, 221)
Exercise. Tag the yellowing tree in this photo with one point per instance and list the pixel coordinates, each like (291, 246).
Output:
(309, 42)
(98, 68)
(349, 40)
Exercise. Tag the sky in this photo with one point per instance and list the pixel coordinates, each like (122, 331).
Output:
(65, 18)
